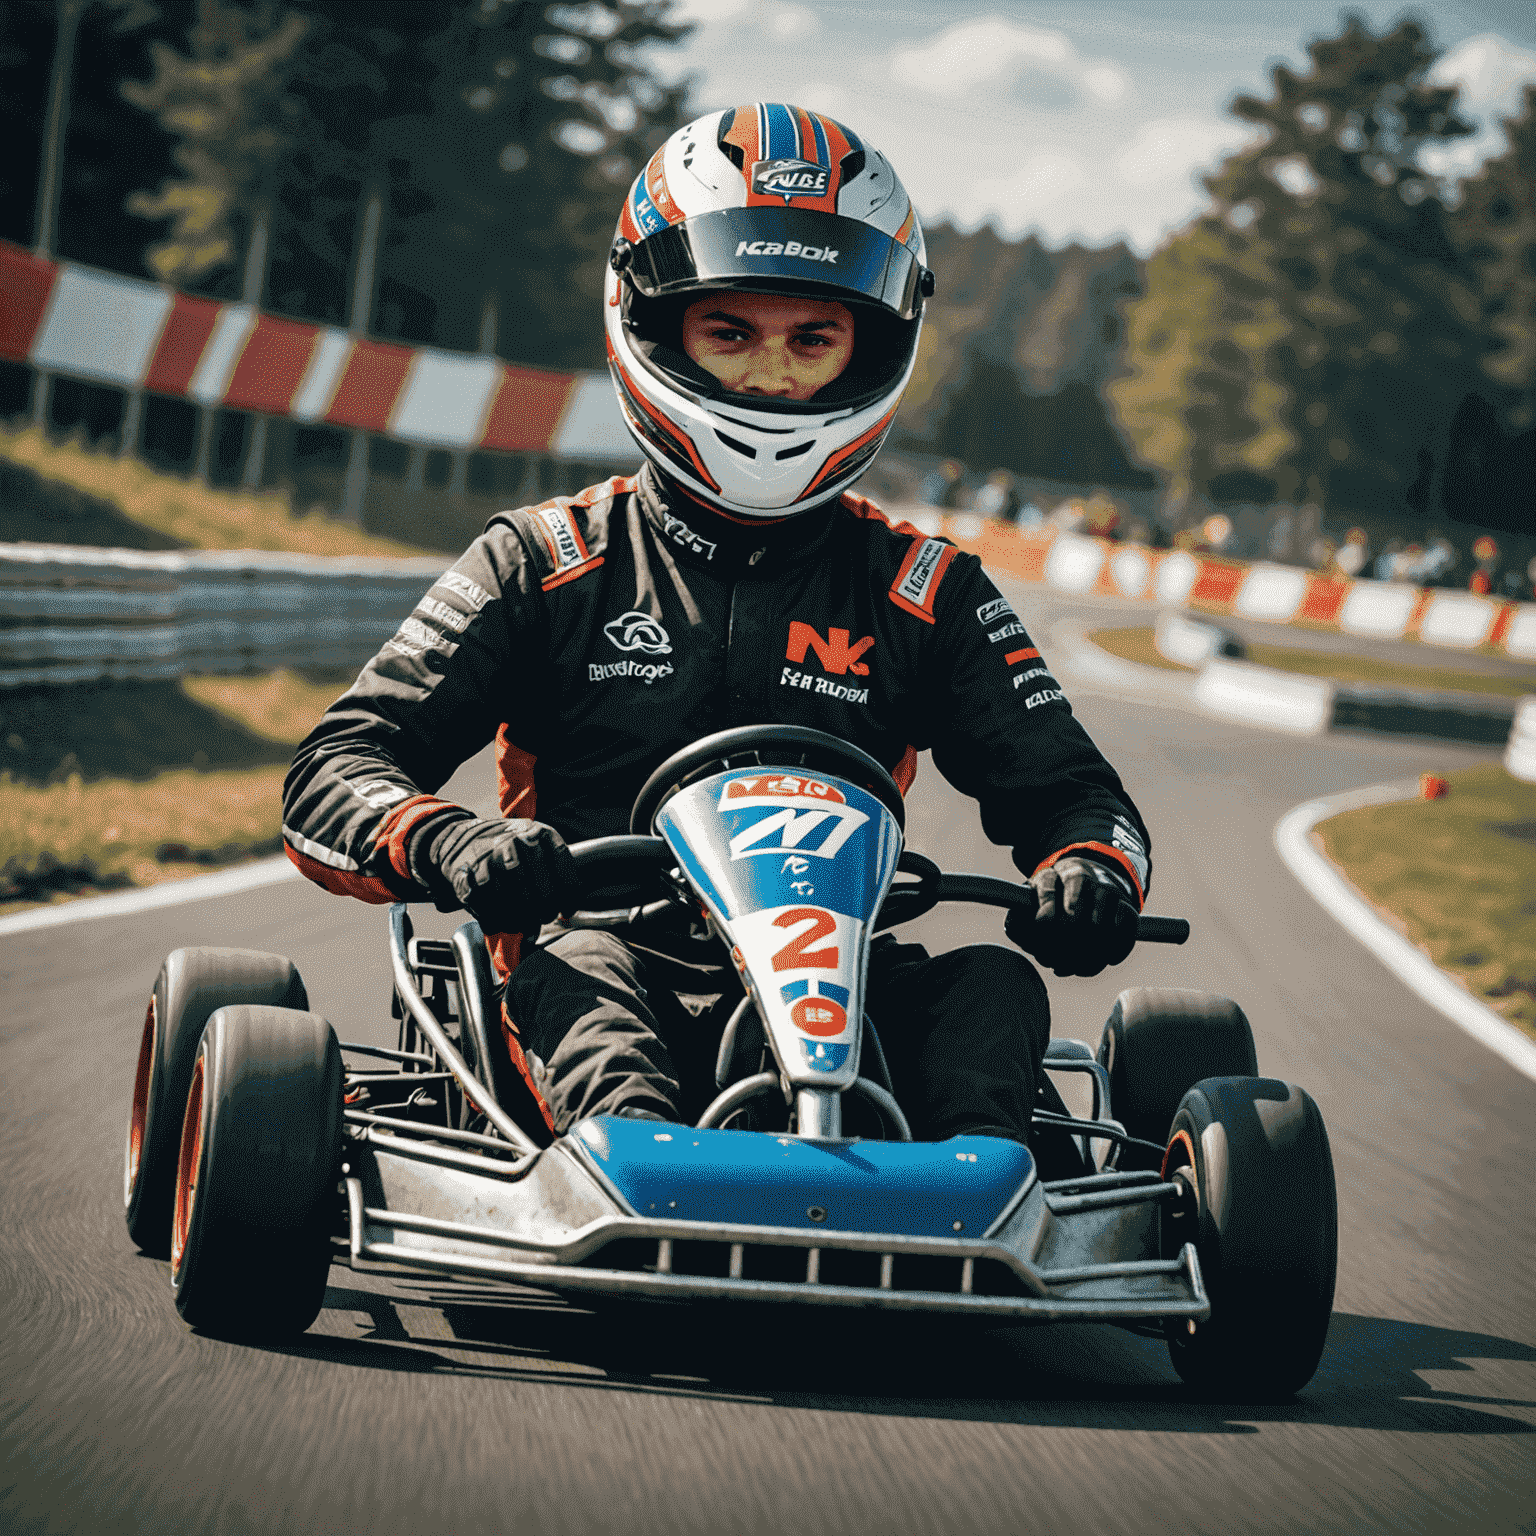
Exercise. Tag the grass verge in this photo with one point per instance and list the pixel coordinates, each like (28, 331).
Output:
(176, 511)
(1135, 645)
(1139, 645)
(112, 785)
(1457, 877)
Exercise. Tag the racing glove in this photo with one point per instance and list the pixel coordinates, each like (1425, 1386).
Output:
(510, 875)
(1084, 918)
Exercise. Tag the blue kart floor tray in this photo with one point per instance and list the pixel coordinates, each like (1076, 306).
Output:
(918, 1189)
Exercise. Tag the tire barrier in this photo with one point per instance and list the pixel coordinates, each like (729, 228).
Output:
(132, 334)
(71, 615)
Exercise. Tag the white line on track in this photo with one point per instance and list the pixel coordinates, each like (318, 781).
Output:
(1322, 880)
(172, 893)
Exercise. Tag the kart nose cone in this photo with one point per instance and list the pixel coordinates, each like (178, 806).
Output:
(955, 1188)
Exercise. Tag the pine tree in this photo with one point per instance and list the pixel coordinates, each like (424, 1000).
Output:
(501, 135)
(1349, 233)
(538, 120)
(227, 103)
(1194, 401)
(1496, 227)
(1320, 323)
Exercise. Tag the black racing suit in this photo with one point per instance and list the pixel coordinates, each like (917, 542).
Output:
(592, 637)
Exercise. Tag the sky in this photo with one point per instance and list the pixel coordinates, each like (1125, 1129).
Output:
(1085, 120)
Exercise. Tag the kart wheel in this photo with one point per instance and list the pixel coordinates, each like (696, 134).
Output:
(1157, 1044)
(256, 1174)
(1262, 1212)
(191, 984)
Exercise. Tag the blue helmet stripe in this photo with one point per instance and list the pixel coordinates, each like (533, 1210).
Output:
(782, 137)
(854, 142)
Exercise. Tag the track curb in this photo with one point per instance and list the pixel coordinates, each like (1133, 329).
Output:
(172, 893)
(1326, 884)
(1296, 704)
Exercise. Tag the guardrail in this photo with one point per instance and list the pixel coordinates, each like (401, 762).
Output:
(70, 615)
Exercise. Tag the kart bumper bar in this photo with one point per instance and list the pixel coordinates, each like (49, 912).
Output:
(1060, 1279)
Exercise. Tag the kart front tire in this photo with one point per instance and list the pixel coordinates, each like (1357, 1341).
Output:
(1158, 1042)
(192, 983)
(257, 1172)
(1262, 1211)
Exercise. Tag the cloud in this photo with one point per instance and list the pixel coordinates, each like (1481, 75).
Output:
(1040, 181)
(783, 21)
(992, 53)
(1492, 73)
(1167, 151)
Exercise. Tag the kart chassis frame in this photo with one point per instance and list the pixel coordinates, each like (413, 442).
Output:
(497, 1207)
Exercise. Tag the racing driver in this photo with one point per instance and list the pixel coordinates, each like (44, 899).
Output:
(762, 312)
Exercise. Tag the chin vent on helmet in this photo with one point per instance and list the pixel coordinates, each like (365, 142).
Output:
(737, 446)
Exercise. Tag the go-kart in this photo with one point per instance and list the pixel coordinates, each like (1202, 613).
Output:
(1192, 1198)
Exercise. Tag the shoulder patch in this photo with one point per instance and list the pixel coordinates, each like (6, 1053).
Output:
(916, 587)
(566, 546)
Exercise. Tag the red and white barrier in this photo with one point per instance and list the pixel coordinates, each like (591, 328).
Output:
(1279, 594)
(137, 335)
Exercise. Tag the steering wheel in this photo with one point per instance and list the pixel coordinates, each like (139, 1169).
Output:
(764, 746)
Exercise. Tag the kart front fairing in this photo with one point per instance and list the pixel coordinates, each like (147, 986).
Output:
(792, 868)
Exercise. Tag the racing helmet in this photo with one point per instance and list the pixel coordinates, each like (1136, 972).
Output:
(765, 198)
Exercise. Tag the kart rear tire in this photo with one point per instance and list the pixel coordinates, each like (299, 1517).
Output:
(1264, 1213)
(1158, 1042)
(257, 1173)
(191, 985)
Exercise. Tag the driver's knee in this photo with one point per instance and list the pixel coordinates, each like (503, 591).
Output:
(582, 1010)
(996, 992)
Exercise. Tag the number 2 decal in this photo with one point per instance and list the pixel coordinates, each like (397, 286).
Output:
(795, 955)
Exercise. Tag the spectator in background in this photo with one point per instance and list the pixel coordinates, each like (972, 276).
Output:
(1486, 553)
(1280, 535)
(998, 498)
(1355, 552)
(1438, 562)
(1101, 516)
(942, 487)
(1386, 566)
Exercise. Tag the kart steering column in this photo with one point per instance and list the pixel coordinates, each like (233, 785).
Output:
(819, 1113)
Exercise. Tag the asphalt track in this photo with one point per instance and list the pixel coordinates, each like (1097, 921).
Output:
(417, 1407)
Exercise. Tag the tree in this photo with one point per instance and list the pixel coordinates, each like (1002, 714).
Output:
(500, 134)
(1496, 228)
(538, 120)
(1330, 318)
(228, 104)
(1194, 401)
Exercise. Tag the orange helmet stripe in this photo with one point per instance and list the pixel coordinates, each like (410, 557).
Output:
(656, 185)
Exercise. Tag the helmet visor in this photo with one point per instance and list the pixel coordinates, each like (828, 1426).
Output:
(798, 249)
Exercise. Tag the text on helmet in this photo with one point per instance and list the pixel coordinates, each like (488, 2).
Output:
(786, 248)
